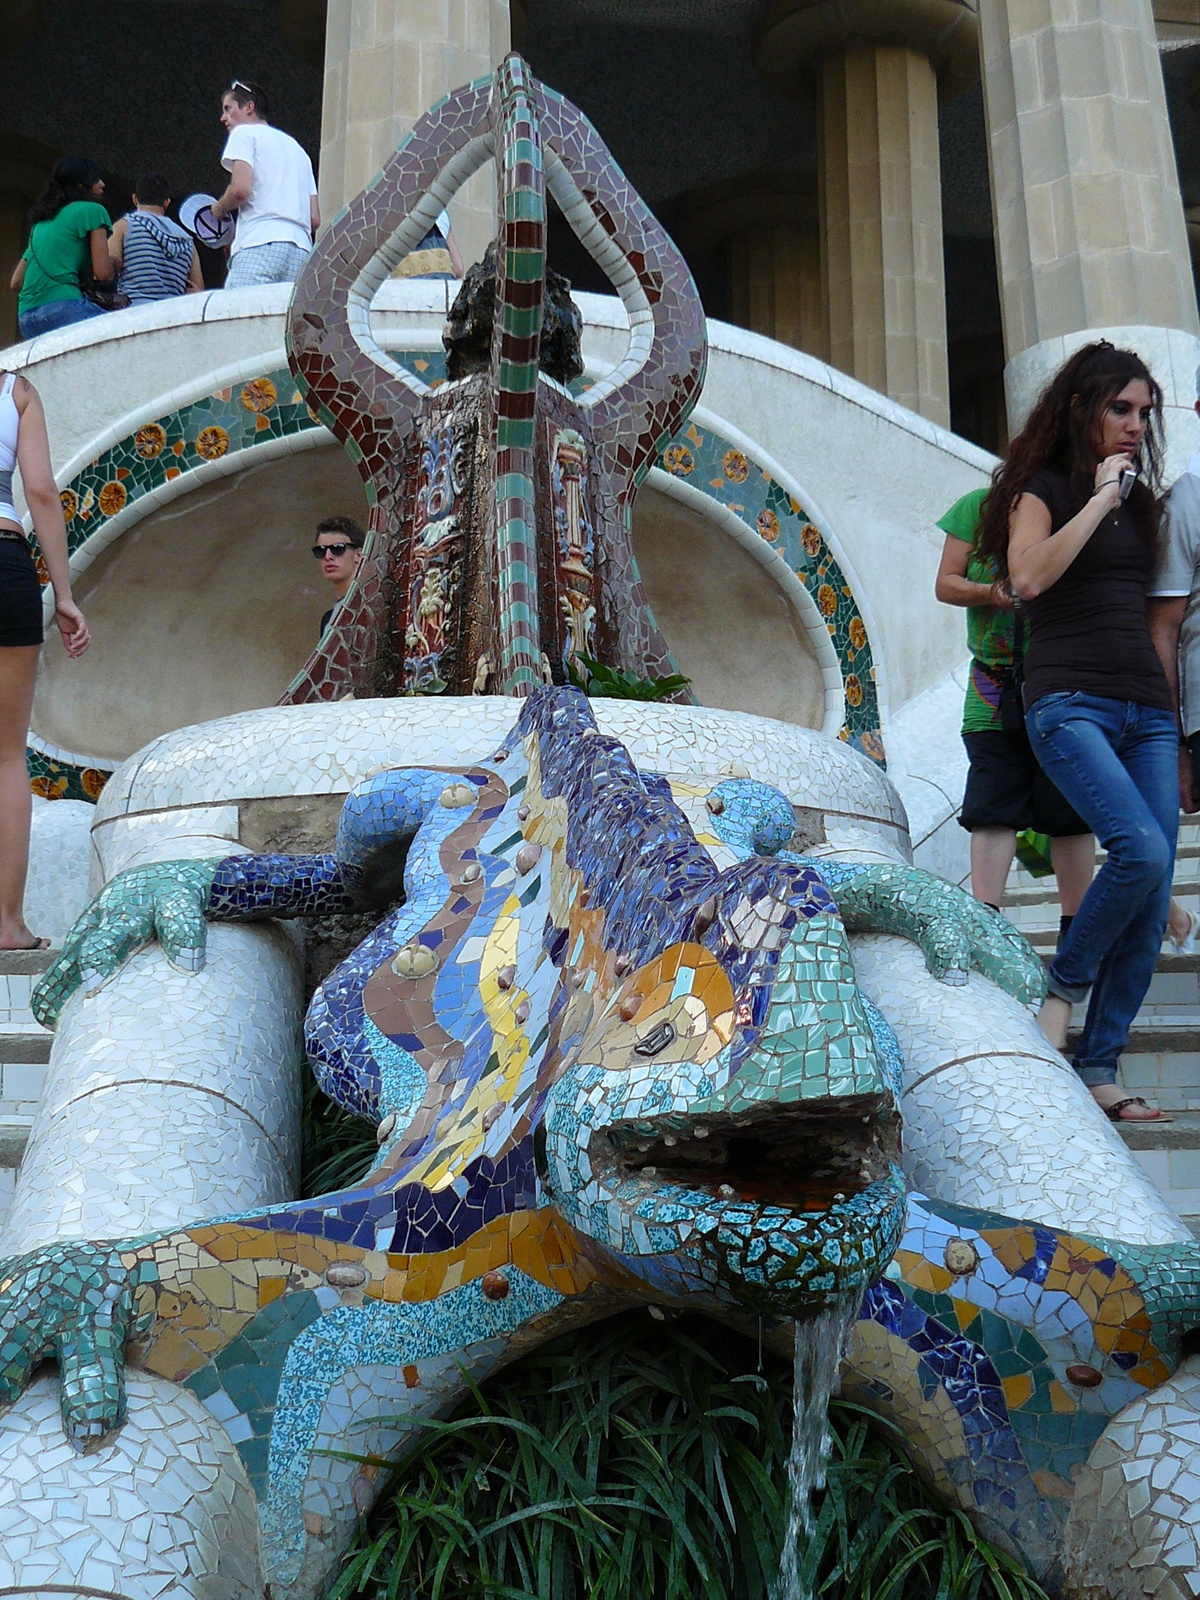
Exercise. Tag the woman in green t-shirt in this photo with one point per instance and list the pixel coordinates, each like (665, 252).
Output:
(69, 237)
(1006, 789)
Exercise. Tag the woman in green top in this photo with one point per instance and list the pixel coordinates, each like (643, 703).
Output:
(1006, 789)
(69, 237)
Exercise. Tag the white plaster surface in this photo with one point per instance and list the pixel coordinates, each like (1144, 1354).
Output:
(927, 762)
(872, 475)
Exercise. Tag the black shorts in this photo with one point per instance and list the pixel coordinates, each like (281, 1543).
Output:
(1007, 789)
(20, 595)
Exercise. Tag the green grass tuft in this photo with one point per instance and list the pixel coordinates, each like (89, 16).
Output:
(638, 1460)
(336, 1149)
(611, 683)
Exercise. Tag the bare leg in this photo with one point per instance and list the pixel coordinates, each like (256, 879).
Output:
(1054, 1018)
(1074, 862)
(18, 672)
(992, 851)
(1181, 926)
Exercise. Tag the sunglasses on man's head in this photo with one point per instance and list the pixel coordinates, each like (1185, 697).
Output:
(320, 550)
(238, 84)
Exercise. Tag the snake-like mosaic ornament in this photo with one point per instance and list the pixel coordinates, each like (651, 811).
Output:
(500, 542)
(603, 1072)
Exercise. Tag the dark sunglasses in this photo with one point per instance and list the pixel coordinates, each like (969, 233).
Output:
(322, 550)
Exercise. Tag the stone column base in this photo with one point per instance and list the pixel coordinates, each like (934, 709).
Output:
(1172, 356)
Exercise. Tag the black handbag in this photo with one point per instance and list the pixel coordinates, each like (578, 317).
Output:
(104, 294)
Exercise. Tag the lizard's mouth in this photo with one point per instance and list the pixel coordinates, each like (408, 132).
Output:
(808, 1159)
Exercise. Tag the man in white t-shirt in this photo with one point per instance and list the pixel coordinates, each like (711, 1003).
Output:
(272, 189)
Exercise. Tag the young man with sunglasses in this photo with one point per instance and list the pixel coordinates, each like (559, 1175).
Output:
(271, 188)
(339, 550)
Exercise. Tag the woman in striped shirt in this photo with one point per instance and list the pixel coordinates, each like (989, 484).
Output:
(154, 257)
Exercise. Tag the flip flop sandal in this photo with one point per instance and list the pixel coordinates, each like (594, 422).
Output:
(22, 949)
(1113, 1112)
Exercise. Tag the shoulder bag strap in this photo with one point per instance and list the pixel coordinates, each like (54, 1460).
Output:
(73, 282)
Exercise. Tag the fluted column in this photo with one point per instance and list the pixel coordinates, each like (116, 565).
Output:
(879, 67)
(386, 62)
(765, 226)
(1091, 239)
(881, 224)
(775, 284)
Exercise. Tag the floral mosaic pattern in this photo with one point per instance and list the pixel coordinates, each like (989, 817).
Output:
(709, 463)
(271, 407)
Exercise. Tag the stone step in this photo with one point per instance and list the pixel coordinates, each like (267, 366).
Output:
(1044, 891)
(1187, 849)
(16, 990)
(1158, 1034)
(25, 1045)
(25, 961)
(1169, 1154)
(24, 1052)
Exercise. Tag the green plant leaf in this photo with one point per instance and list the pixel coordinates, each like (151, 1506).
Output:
(638, 1460)
(611, 683)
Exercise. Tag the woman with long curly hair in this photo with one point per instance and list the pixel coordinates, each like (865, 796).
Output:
(1079, 547)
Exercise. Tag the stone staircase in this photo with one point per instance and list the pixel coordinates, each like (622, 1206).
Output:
(1162, 1062)
(24, 1052)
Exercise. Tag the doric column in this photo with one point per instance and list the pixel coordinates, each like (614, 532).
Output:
(1090, 234)
(879, 66)
(387, 61)
(775, 284)
(765, 226)
(881, 224)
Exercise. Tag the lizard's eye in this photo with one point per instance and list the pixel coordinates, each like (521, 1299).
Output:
(656, 1040)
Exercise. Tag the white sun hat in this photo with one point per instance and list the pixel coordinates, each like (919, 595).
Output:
(196, 214)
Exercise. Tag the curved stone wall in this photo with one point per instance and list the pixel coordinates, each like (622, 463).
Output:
(824, 616)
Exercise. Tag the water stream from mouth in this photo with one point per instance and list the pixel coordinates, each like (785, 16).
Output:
(820, 1345)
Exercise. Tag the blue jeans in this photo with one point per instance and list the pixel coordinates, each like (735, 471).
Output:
(56, 314)
(1117, 763)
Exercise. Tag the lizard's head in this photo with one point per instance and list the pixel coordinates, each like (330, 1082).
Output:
(728, 1126)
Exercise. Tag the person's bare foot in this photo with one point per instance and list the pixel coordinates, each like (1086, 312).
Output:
(1133, 1109)
(16, 936)
(1054, 1018)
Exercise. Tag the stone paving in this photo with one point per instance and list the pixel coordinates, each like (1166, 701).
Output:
(1163, 1060)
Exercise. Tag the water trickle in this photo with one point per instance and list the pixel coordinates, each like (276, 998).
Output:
(820, 1345)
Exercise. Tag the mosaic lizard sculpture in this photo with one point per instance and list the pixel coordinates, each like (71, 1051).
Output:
(602, 1071)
